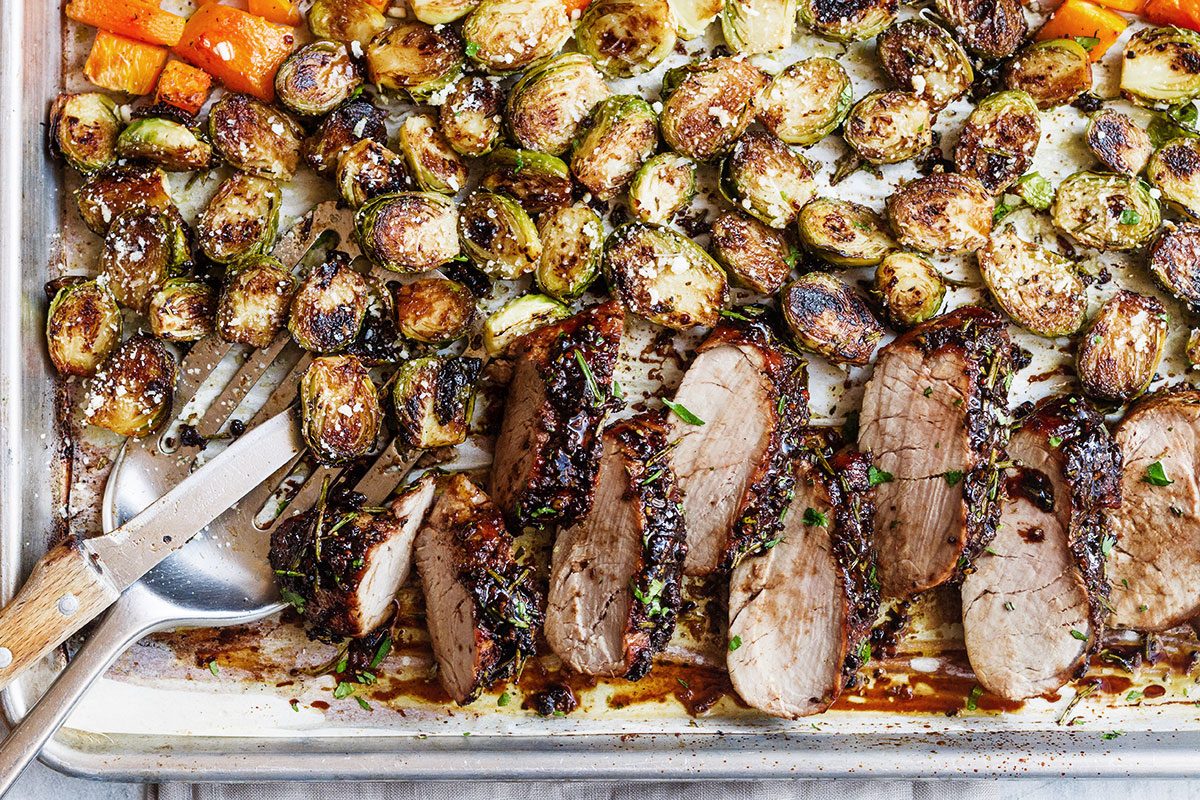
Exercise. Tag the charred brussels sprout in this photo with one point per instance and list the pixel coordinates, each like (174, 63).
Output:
(709, 105)
(1118, 142)
(848, 20)
(572, 248)
(368, 169)
(182, 310)
(433, 398)
(829, 318)
(888, 127)
(1122, 347)
(923, 58)
(433, 310)
(166, 143)
(415, 58)
(409, 231)
(1053, 73)
(84, 129)
(1175, 263)
(538, 181)
(663, 187)
(254, 137)
(254, 302)
(132, 392)
(317, 78)
(1107, 212)
(340, 410)
(343, 127)
(142, 249)
(518, 317)
(658, 274)
(1175, 171)
(763, 176)
(470, 117)
(754, 254)
(440, 12)
(941, 213)
(498, 236)
(1000, 138)
(345, 20)
(805, 102)
(843, 233)
(1174, 122)
(1161, 66)
(910, 289)
(1039, 289)
(240, 220)
(626, 37)
(758, 26)
(617, 138)
(82, 328)
(329, 307)
(546, 106)
(510, 35)
(120, 188)
(990, 28)
(436, 165)
(692, 17)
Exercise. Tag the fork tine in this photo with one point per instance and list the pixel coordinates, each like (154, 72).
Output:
(385, 474)
(247, 376)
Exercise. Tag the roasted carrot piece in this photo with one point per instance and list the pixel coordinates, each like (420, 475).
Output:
(135, 19)
(576, 5)
(379, 5)
(1126, 6)
(122, 64)
(283, 12)
(183, 86)
(241, 50)
(1182, 13)
(1081, 20)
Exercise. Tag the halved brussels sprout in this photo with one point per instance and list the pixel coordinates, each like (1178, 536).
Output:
(1118, 142)
(1035, 190)
(440, 12)
(546, 106)
(990, 28)
(888, 127)
(241, 219)
(83, 327)
(709, 104)
(806, 101)
(1174, 170)
(498, 236)
(470, 117)
(754, 254)
(1053, 73)
(1175, 263)
(379, 342)
(758, 26)
(183, 310)
(431, 160)
(1107, 212)
(923, 58)
(999, 140)
(142, 249)
(433, 310)
(941, 213)
(254, 302)
(518, 317)
(346, 125)
(132, 392)
(506, 36)
(1161, 66)
(1039, 289)
(409, 231)
(616, 139)
(692, 17)
(844, 233)
(345, 20)
(84, 128)
(317, 78)
(764, 177)
(663, 276)
(255, 137)
(368, 169)
(120, 188)
(663, 187)
(572, 248)
(848, 20)
(538, 181)
(329, 307)
(340, 409)
(433, 397)
(415, 58)
(166, 143)
(626, 37)
(910, 289)
(1122, 347)
(829, 318)
(1174, 122)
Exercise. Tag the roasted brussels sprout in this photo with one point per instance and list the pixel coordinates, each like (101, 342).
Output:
(1035, 190)
(829, 318)
(1053, 73)
(132, 392)
(1161, 66)
(626, 37)
(1039, 289)
(692, 17)
(518, 317)
(763, 176)
(547, 105)
(368, 169)
(1118, 142)
(340, 410)
(498, 236)
(990, 28)
(1122, 347)
(1107, 212)
(888, 127)
(506, 36)
(409, 231)
(709, 104)
(240, 220)
(923, 58)
(434, 397)
(440, 12)
(663, 187)
(255, 137)
(1000, 138)
(806, 101)
(436, 165)
(941, 213)
(1175, 262)
(165, 143)
(254, 302)
(84, 128)
(141, 250)
(848, 20)
(433, 310)
(83, 327)
(346, 125)
(415, 58)
(616, 139)
(470, 117)
(317, 78)
(345, 20)
(758, 26)
(572, 248)
(844, 233)
(329, 307)
(182, 310)
(663, 276)
(120, 188)
(1174, 122)
(754, 254)
(538, 181)
(1174, 170)
(910, 289)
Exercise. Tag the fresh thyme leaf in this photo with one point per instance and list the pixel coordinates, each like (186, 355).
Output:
(343, 662)
(593, 386)
(295, 704)
(864, 651)
(1055, 441)
(681, 411)
(1156, 475)
(472, 49)
(293, 599)
(877, 476)
(343, 689)
(973, 698)
(1108, 736)
(1086, 42)
(504, 699)
(734, 643)
(1080, 635)
(1106, 545)
(928, 391)
(381, 652)
(815, 519)
(363, 704)
(213, 668)
(728, 314)
(1134, 696)
(651, 598)
(953, 476)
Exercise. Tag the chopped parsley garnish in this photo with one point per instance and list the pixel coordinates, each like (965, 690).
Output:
(381, 652)
(952, 477)
(1080, 635)
(1106, 545)
(864, 651)
(504, 699)
(343, 689)
(1156, 476)
(734, 643)
(293, 599)
(1134, 696)
(1130, 217)
(681, 411)
(973, 698)
(1086, 42)
(928, 391)
(815, 519)
(472, 49)
(1108, 736)
(213, 668)
(295, 704)
(651, 598)
(877, 476)
(1055, 441)
(342, 663)
(519, 163)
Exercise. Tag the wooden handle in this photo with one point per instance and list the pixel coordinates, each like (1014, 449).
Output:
(64, 593)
